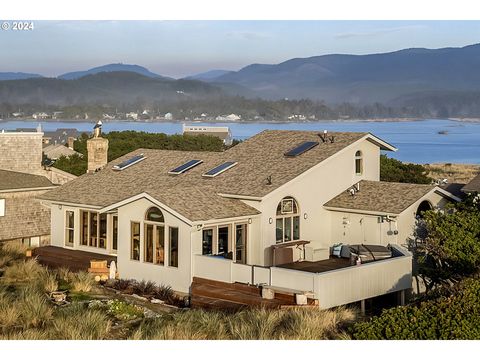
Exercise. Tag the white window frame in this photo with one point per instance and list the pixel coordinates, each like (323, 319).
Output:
(2, 207)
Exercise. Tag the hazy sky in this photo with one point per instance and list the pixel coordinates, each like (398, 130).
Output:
(181, 48)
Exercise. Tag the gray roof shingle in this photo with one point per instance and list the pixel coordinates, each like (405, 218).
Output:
(473, 186)
(380, 196)
(12, 180)
(194, 196)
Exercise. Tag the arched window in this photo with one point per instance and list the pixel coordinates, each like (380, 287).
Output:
(154, 214)
(154, 237)
(358, 163)
(287, 220)
(425, 205)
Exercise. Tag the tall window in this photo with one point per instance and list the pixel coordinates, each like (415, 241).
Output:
(358, 163)
(135, 240)
(223, 235)
(115, 232)
(154, 238)
(173, 247)
(207, 242)
(287, 221)
(69, 228)
(84, 228)
(93, 229)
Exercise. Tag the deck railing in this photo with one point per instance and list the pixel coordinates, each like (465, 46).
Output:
(331, 288)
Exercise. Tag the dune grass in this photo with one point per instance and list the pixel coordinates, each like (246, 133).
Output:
(251, 324)
(82, 281)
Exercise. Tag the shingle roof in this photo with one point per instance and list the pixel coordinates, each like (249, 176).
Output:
(194, 196)
(473, 186)
(12, 180)
(380, 196)
(24, 217)
(54, 151)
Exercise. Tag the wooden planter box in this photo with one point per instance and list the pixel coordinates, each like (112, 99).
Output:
(98, 264)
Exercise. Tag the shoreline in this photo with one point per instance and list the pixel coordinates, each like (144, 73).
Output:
(375, 120)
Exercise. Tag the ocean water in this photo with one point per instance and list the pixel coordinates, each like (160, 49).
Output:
(425, 141)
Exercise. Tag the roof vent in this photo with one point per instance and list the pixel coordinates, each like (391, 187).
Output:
(325, 138)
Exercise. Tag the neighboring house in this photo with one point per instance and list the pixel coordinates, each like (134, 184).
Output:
(22, 217)
(265, 212)
(473, 186)
(222, 132)
(60, 136)
(54, 152)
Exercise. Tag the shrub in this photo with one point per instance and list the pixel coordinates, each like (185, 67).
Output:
(82, 282)
(124, 311)
(393, 170)
(22, 271)
(34, 308)
(145, 288)
(78, 323)
(9, 314)
(47, 281)
(455, 314)
(13, 248)
(64, 274)
(5, 259)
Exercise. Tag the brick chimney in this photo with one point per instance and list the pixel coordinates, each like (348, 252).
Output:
(97, 148)
(70, 141)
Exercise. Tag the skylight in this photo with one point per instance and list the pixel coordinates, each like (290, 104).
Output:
(127, 163)
(302, 148)
(220, 169)
(187, 166)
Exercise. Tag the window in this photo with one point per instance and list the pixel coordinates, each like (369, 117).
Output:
(160, 245)
(207, 242)
(69, 228)
(135, 240)
(358, 163)
(2, 207)
(154, 214)
(220, 169)
(102, 231)
(288, 221)
(185, 167)
(223, 235)
(93, 229)
(84, 228)
(127, 163)
(241, 243)
(154, 238)
(173, 247)
(115, 232)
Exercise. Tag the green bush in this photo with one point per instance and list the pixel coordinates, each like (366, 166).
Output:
(454, 315)
(393, 170)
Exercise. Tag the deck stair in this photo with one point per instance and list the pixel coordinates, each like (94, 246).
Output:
(210, 294)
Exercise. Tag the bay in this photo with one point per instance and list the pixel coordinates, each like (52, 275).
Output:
(421, 141)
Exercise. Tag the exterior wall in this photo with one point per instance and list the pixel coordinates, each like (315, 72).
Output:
(24, 216)
(57, 176)
(178, 278)
(311, 190)
(21, 151)
(352, 228)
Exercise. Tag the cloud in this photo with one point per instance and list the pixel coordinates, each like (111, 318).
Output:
(248, 35)
(378, 32)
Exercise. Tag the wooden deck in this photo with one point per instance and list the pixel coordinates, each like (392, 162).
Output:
(216, 295)
(333, 263)
(75, 260)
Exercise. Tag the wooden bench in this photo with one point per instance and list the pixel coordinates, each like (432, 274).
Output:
(268, 292)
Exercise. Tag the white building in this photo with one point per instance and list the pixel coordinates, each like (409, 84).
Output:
(266, 212)
(222, 132)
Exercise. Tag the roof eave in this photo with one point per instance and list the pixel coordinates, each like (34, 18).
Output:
(383, 145)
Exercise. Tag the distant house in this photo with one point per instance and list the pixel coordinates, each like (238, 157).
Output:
(231, 117)
(222, 132)
(60, 136)
(40, 116)
(168, 116)
(269, 212)
(55, 151)
(22, 217)
(132, 115)
(473, 186)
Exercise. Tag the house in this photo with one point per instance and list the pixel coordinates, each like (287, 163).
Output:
(266, 212)
(231, 117)
(132, 115)
(473, 186)
(22, 217)
(55, 151)
(222, 132)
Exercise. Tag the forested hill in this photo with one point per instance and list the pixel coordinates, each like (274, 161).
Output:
(104, 87)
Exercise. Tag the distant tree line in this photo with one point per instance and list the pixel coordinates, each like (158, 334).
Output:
(427, 106)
